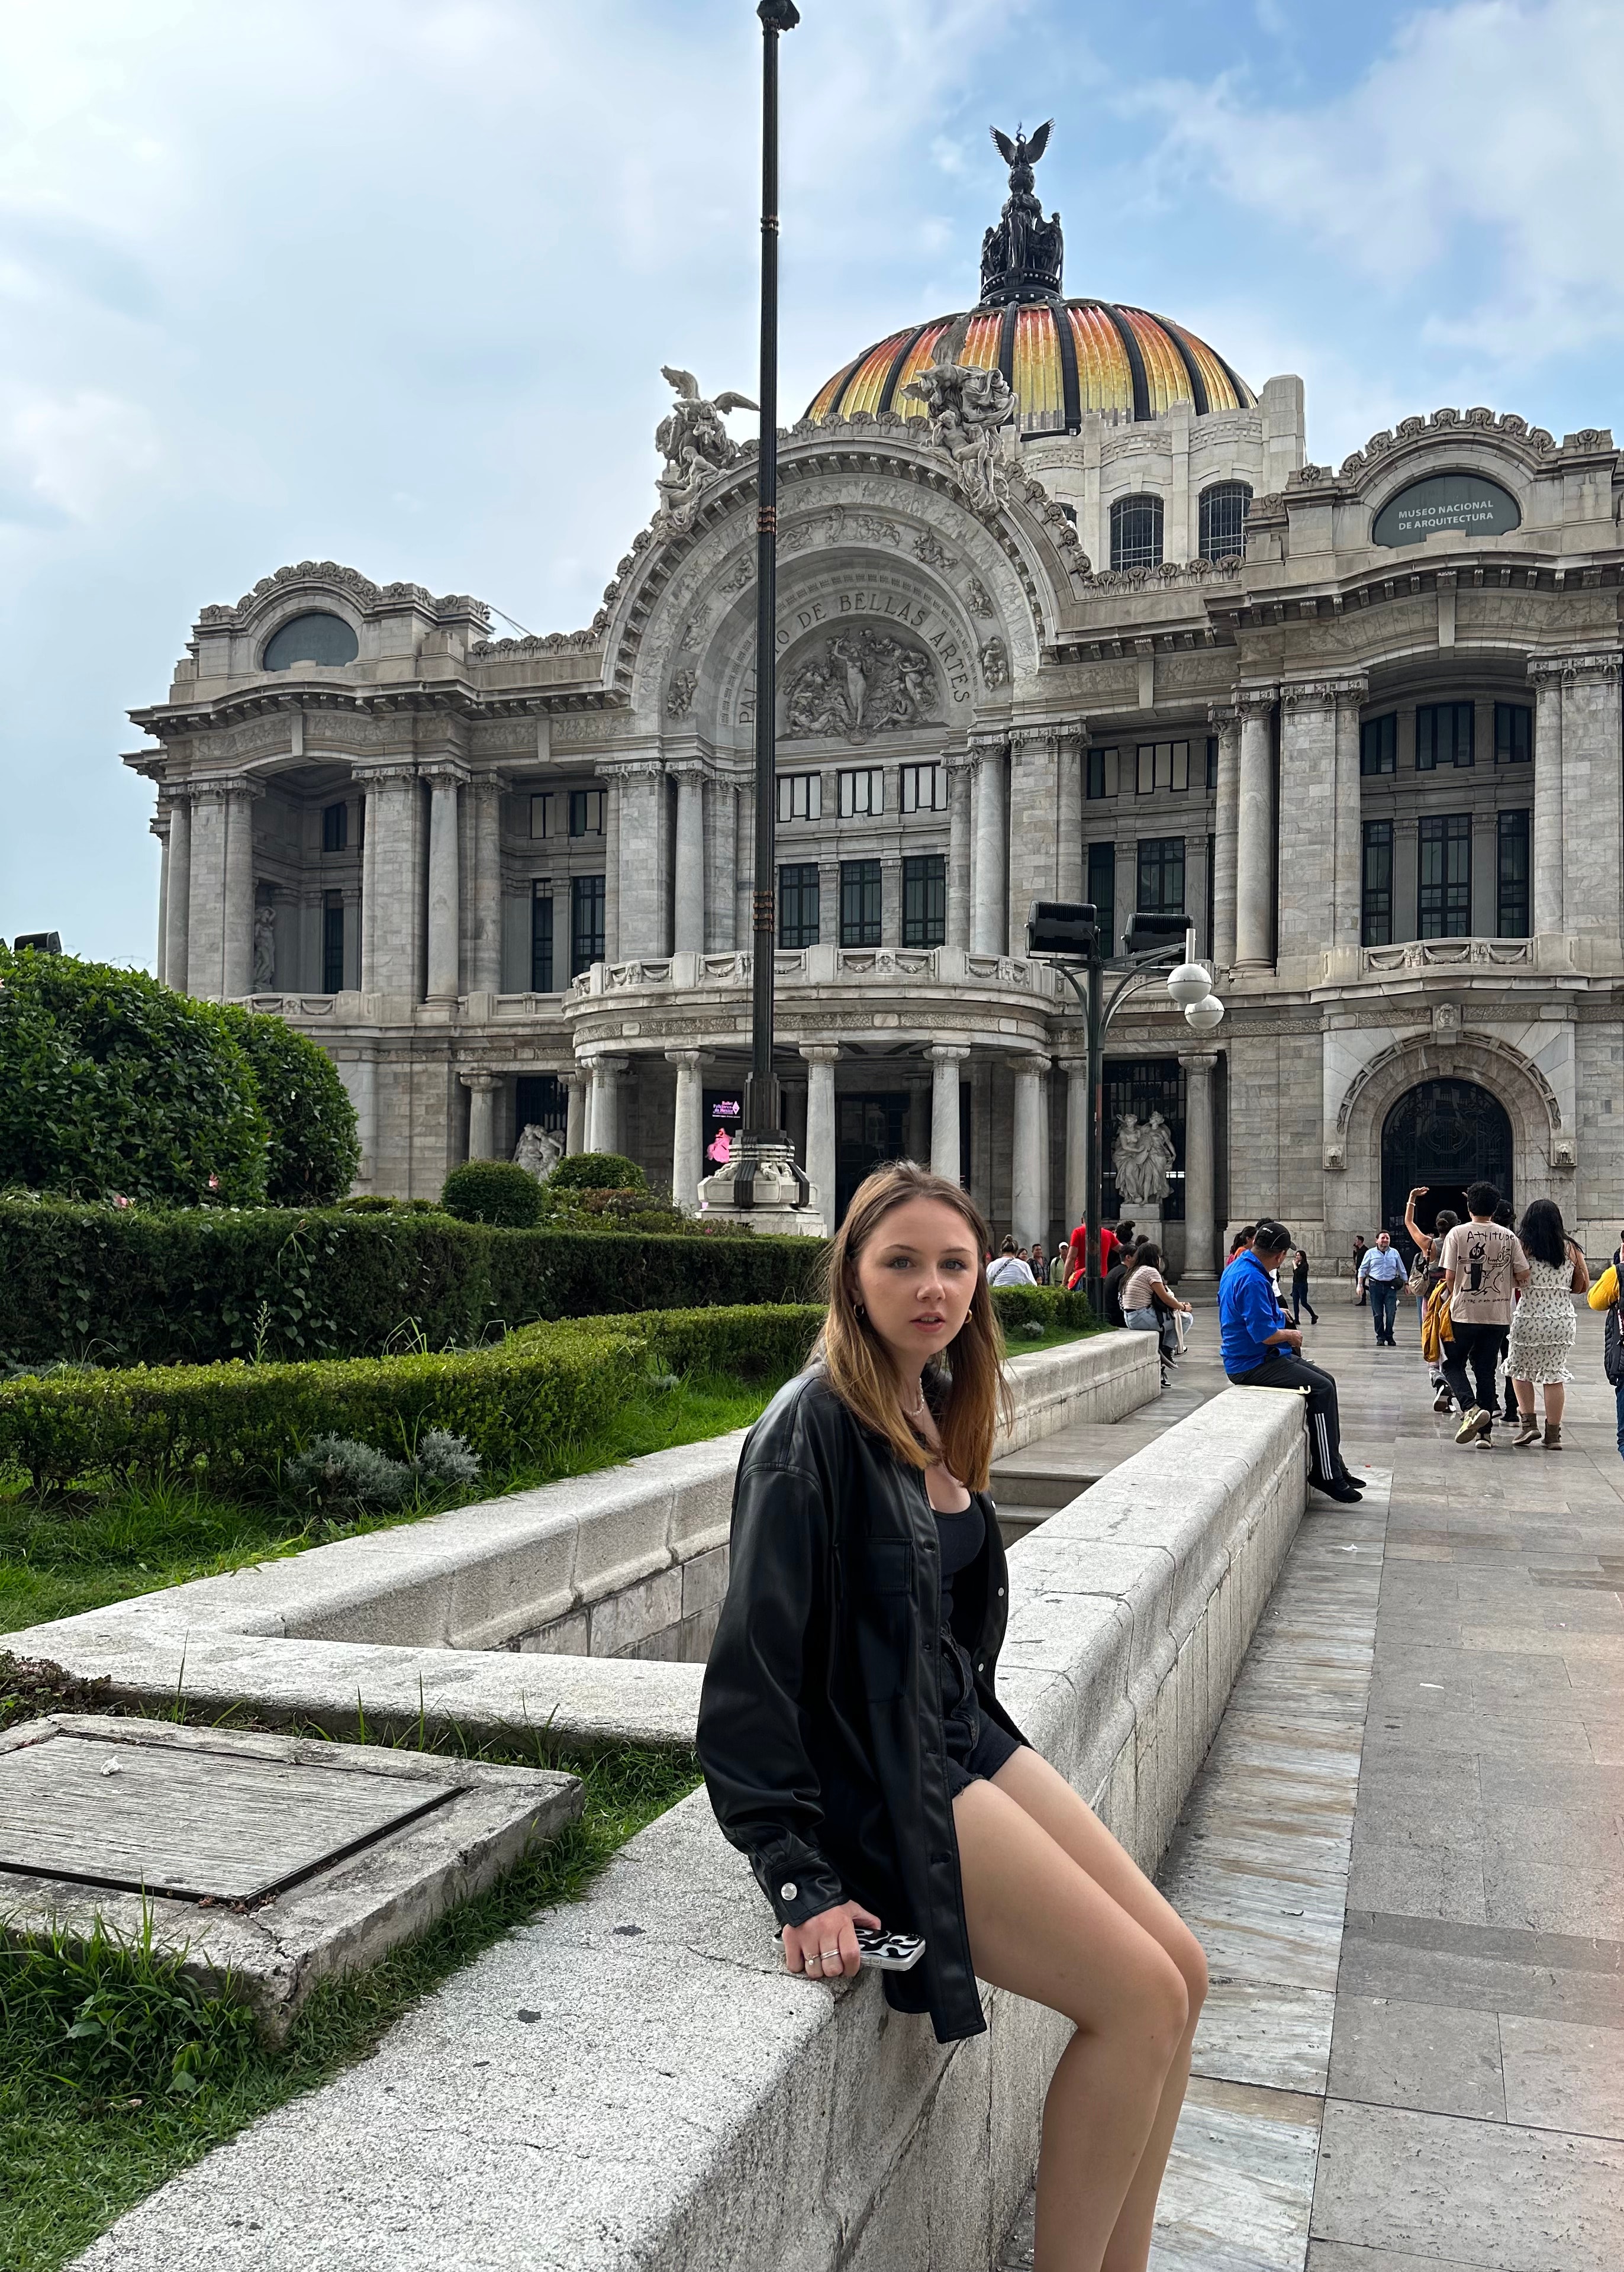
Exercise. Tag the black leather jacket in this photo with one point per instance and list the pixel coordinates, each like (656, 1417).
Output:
(820, 1722)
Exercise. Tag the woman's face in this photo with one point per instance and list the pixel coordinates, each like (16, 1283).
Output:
(915, 1278)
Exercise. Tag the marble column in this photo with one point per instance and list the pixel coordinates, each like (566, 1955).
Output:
(483, 919)
(1306, 823)
(688, 926)
(445, 887)
(159, 826)
(1547, 851)
(575, 1111)
(1030, 1143)
(608, 1074)
(237, 924)
(390, 880)
(640, 850)
(1348, 900)
(959, 777)
(988, 858)
(1071, 859)
(688, 1129)
(821, 1059)
(1226, 824)
(1592, 761)
(945, 1062)
(1034, 829)
(484, 1089)
(178, 906)
(1201, 1228)
(1077, 1107)
(1254, 853)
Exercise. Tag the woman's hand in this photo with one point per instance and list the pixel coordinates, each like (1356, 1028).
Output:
(825, 1947)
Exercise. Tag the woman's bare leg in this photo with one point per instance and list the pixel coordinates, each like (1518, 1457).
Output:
(1041, 1926)
(1525, 1398)
(1055, 1806)
(1556, 1401)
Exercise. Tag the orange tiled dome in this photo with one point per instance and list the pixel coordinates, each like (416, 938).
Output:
(1061, 357)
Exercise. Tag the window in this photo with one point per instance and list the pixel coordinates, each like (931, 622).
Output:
(1161, 876)
(1376, 911)
(1379, 744)
(1514, 737)
(335, 828)
(862, 793)
(925, 788)
(1136, 532)
(1104, 772)
(859, 902)
(925, 901)
(310, 638)
(1212, 761)
(1442, 737)
(1511, 875)
(544, 814)
(585, 812)
(800, 796)
(1444, 905)
(586, 908)
(1223, 509)
(1162, 765)
(797, 903)
(1103, 893)
(332, 945)
(541, 939)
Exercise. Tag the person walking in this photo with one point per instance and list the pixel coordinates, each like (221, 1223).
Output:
(1542, 1329)
(1381, 1270)
(857, 1752)
(1430, 1244)
(1606, 1294)
(1261, 1350)
(1011, 1268)
(1483, 1266)
(1299, 1290)
(1358, 1256)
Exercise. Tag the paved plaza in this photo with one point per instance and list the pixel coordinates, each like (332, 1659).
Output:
(1405, 1856)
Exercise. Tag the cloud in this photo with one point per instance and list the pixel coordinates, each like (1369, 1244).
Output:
(1488, 139)
(67, 458)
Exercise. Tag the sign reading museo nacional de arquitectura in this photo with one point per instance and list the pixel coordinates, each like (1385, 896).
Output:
(1065, 613)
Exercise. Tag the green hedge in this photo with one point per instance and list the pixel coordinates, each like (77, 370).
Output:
(1050, 1307)
(200, 1285)
(231, 1426)
(315, 1148)
(497, 1191)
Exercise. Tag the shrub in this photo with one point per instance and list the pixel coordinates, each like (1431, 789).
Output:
(1049, 1308)
(444, 1462)
(314, 1146)
(497, 1192)
(340, 1472)
(111, 1085)
(597, 1171)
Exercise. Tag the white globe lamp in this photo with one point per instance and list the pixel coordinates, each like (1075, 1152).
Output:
(1190, 983)
(1205, 1014)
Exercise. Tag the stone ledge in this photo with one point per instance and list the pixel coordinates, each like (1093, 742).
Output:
(683, 2103)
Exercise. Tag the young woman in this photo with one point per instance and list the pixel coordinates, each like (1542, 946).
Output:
(1428, 1245)
(1148, 1302)
(1300, 1289)
(1542, 1331)
(854, 1746)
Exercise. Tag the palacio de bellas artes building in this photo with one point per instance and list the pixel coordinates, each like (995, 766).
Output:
(1064, 613)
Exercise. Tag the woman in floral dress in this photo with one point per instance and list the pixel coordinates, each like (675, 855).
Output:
(1542, 1331)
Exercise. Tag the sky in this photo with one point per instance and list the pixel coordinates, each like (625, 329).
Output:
(390, 281)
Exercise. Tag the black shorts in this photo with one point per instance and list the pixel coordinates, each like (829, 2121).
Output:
(976, 1748)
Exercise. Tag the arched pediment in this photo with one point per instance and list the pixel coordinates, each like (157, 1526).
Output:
(1543, 1145)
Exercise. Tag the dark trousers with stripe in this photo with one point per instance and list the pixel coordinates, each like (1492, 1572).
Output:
(1285, 1370)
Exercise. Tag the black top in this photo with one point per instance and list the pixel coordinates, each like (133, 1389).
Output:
(962, 1536)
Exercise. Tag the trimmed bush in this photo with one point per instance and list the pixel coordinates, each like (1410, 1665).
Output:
(597, 1171)
(1049, 1308)
(314, 1147)
(496, 1192)
(111, 1086)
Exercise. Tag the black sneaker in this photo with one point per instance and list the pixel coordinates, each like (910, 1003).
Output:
(1346, 1492)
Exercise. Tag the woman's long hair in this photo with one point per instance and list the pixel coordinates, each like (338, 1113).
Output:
(965, 1382)
(1543, 1239)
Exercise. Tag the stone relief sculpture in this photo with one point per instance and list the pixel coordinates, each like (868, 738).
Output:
(695, 445)
(679, 700)
(860, 683)
(265, 948)
(968, 408)
(1142, 1160)
(538, 1151)
(1023, 250)
(995, 664)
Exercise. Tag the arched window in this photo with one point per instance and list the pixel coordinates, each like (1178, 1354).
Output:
(1225, 507)
(1136, 532)
(315, 638)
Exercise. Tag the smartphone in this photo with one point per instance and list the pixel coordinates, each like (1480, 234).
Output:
(888, 1952)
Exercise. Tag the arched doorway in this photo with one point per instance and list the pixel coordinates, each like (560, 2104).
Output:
(1444, 1134)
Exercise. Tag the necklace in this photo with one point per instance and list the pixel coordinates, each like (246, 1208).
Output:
(916, 1411)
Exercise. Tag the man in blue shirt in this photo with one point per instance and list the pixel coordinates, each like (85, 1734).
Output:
(1382, 1268)
(1262, 1350)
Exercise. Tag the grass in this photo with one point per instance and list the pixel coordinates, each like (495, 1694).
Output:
(79, 1550)
(115, 2073)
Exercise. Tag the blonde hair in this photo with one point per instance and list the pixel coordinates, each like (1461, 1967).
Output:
(858, 1366)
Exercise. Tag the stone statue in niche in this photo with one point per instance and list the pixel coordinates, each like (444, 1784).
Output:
(1142, 1160)
(538, 1151)
(859, 683)
(265, 948)
(694, 444)
(967, 408)
(995, 664)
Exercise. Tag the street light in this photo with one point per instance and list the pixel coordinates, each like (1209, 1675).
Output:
(1066, 934)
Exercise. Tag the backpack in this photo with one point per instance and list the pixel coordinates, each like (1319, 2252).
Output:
(1613, 1346)
(1436, 1325)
